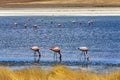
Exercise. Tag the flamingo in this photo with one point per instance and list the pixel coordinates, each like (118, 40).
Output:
(15, 24)
(73, 21)
(84, 50)
(59, 25)
(80, 22)
(51, 21)
(56, 49)
(36, 49)
(90, 22)
(35, 26)
(25, 26)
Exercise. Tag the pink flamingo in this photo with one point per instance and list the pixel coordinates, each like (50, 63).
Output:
(59, 25)
(36, 49)
(80, 22)
(73, 21)
(56, 49)
(35, 26)
(51, 21)
(15, 24)
(25, 26)
(84, 50)
(90, 22)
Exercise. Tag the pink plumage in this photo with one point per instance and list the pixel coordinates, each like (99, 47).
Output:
(55, 49)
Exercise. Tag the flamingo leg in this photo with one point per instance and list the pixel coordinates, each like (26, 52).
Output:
(60, 57)
(81, 56)
(86, 59)
(39, 54)
(38, 60)
(35, 56)
(54, 56)
(85, 55)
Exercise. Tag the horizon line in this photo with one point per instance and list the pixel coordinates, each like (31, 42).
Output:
(95, 11)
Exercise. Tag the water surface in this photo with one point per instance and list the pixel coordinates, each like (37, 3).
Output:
(102, 38)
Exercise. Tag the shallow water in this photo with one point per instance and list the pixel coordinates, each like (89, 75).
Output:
(102, 38)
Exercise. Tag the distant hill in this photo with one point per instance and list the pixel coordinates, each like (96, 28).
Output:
(59, 3)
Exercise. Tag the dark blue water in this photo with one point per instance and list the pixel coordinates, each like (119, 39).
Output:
(102, 38)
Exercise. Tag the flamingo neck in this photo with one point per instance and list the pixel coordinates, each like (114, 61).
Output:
(39, 53)
(60, 57)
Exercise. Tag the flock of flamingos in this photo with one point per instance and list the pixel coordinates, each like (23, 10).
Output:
(56, 49)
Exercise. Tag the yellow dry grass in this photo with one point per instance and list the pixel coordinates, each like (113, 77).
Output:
(56, 73)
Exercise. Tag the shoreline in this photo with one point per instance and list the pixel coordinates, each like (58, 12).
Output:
(57, 72)
(58, 3)
(61, 11)
(97, 67)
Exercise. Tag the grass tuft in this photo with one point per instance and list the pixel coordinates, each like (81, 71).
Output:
(57, 72)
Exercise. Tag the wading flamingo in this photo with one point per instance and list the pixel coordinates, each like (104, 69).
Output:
(36, 50)
(80, 22)
(84, 50)
(15, 24)
(56, 49)
(73, 21)
(59, 25)
(35, 26)
(25, 26)
(51, 21)
(90, 22)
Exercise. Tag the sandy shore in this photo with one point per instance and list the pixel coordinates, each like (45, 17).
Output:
(59, 3)
(61, 11)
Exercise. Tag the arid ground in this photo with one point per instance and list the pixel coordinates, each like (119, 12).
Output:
(59, 3)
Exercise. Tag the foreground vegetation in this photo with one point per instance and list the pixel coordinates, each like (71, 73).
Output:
(56, 73)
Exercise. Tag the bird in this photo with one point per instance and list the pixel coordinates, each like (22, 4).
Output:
(90, 22)
(51, 21)
(59, 25)
(35, 26)
(80, 22)
(73, 21)
(25, 26)
(36, 50)
(56, 49)
(84, 50)
(15, 24)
